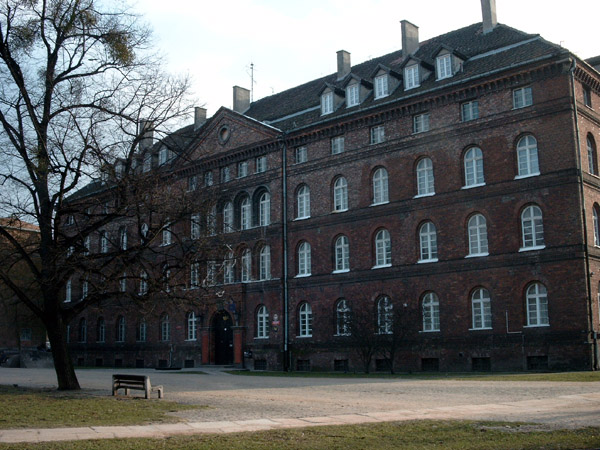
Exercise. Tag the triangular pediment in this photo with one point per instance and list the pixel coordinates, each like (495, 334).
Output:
(227, 131)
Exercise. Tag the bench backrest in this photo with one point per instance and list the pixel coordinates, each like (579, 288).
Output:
(130, 378)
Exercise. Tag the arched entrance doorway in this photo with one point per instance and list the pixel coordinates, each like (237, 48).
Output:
(222, 326)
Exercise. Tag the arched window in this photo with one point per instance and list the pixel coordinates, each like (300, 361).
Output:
(143, 283)
(596, 226)
(165, 328)
(385, 315)
(482, 309)
(191, 326)
(245, 214)
(262, 322)
(474, 167)
(305, 320)
(428, 240)
(383, 249)
(264, 209)
(101, 330)
(123, 238)
(380, 186)
(246, 266)
(431, 312)
(167, 235)
(425, 181)
(228, 218)
(478, 242)
(103, 241)
(537, 305)
(228, 273)
(304, 259)
(140, 332)
(340, 194)
(68, 290)
(527, 155)
(532, 228)
(82, 330)
(264, 263)
(343, 317)
(303, 202)
(342, 254)
(591, 151)
(120, 330)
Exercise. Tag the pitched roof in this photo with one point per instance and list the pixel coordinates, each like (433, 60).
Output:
(299, 106)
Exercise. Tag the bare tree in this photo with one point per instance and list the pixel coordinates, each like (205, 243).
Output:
(364, 338)
(76, 79)
(402, 325)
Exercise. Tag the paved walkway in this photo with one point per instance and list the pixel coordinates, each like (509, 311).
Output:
(246, 403)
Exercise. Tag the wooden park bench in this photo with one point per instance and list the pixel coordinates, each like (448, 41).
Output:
(138, 382)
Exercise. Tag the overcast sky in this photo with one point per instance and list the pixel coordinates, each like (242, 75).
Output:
(292, 42)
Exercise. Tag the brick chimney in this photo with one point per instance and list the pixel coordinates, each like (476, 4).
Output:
(147, 134)
(241, 99)
(343, 64)
(488, 10)
(199, 117)
(410, 38)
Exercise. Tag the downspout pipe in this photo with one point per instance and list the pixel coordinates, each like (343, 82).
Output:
(284, 244)
(586, 252)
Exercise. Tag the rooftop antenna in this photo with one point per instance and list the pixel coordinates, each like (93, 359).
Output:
(252, 82)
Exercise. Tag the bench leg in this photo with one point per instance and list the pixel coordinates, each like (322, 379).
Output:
(160, 393)
(126, 392)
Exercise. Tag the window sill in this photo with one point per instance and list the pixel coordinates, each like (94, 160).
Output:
(537, 326)
(305, 336)
(521, 107)
(429, 331)
(471, 186)
(381, 96)
(477, 255)
(261, 338)
(425, 261)
(341, 271)
(191, 340)
(380, 203)
(530, 249)
(342, 335)
(430, 194)
(529, 175)
(303, 275)
(381, 266)
(337, 211)
(302, 218)
(480, 329)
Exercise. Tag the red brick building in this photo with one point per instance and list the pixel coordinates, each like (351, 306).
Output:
(447, 193)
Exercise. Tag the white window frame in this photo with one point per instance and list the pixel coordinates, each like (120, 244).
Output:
(591, 151)
(411, 77)
(225, 174)
(481, 307)
(194, 275)
(85, 287)
(228, 266)
(300, 155)
(208, 179)
(264, 209)
(473, 164)
(381, 85)
(469, 110)
(264, 263)
(303, 202)
(343, 314)
(246, 260)
(431, 312)
(537, 305)
(337, 145)
(380, 187)
(522, 97)
(228, 218)
(383, 249)
(123, 238)
(195, 230)
(420, 123)
(120, 331)
(326, 103)
(425, 178)
(245, 213)
(352, 95)
(532, 228)
(340, 195)
(342, 254)
(165, 328)
(305, 320)
(262, 322)
(68, 291)
(123, 283)
(478, 238)
(385, 315)
(142, 331)
(163, 156)
(192, 183)
(167, 235)
(527, 157)
(596, 223)
(191, 326)
(304, 259)
(242, 169)
(377, 134)
(428, 243)
(260, 164)
(104, 241)
(444, 66)
(143, 283)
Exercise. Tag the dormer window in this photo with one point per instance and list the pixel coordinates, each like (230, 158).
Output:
(163, 156)
(327, 103)
(352, 95)
(444, 66)
(411, 77)
(381, 86)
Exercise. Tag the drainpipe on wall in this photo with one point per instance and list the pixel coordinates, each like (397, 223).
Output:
(585, 230)
(284, 243)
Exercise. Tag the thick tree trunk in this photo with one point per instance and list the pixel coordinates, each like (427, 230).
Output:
(63, 364)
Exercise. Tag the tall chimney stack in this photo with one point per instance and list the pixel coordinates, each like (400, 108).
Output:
(147, 134)
(410, 38)
(241, 99)
(343, 64)
(488, 9)
(199, 117)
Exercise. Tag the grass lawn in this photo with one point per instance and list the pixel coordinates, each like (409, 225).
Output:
(45, 408)
(555, 376)
(395, 435)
